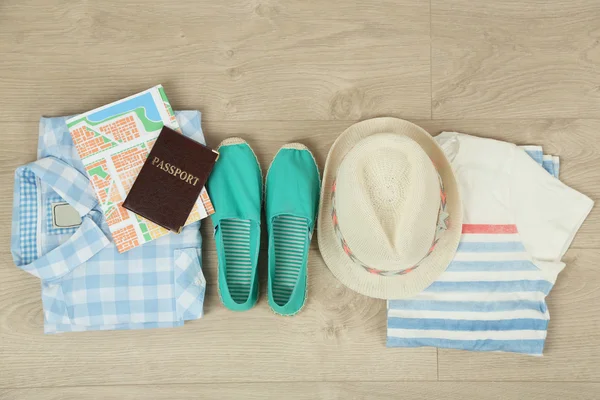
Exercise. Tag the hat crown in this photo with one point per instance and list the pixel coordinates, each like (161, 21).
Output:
(387, 201)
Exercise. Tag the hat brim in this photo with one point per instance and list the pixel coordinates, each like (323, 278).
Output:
(356, 277)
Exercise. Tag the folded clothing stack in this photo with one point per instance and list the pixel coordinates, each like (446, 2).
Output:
(86, 283)
(518, 223)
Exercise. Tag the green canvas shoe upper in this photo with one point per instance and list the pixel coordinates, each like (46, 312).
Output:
(235, 189)
(292, 202)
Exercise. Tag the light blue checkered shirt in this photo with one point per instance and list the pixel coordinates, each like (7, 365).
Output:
(86, 283)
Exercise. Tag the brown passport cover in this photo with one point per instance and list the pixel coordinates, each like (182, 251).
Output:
(170, 180)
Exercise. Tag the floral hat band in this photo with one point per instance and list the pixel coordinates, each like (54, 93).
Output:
(442, 225)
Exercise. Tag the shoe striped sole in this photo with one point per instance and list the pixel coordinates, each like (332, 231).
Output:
(238, 260)
(290, 235)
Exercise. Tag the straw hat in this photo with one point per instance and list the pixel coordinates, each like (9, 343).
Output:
(390, 212)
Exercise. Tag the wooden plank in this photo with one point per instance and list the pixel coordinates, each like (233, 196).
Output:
(515, 59)
(320, 390)
(572, 350)
(339, 335)
(238, 60)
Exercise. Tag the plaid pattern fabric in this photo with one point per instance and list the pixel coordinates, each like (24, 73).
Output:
(86, 283)
(27, 223)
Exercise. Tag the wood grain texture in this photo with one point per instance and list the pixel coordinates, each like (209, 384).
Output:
(515, 59)
(241, 59)
(279, 71)
(319, 390)
(339, 336)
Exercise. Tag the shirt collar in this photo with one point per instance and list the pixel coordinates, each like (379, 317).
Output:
(76, 189)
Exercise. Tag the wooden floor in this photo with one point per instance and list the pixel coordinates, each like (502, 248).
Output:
(275, 71)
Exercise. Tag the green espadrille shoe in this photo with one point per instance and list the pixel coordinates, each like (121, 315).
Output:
(235, 189)
(292, 202)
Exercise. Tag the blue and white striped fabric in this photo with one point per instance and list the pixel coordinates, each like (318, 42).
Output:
(490, 298)
(86, 283)
(556, 163)
(549, 162)
(535, 152)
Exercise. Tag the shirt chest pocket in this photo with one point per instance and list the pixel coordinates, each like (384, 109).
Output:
(61, 217)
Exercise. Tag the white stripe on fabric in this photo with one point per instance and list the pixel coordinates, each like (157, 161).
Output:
(466, 315)
(480, 296)
(238, 264)
(491, 256)
(486, 237)
(469, 335)
(290, 236)
(490, 276)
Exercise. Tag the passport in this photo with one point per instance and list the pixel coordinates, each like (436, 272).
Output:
(171, 180)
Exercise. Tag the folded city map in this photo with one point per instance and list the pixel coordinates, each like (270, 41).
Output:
(113, 142)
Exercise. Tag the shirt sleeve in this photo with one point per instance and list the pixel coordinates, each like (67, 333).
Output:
(547, 212)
